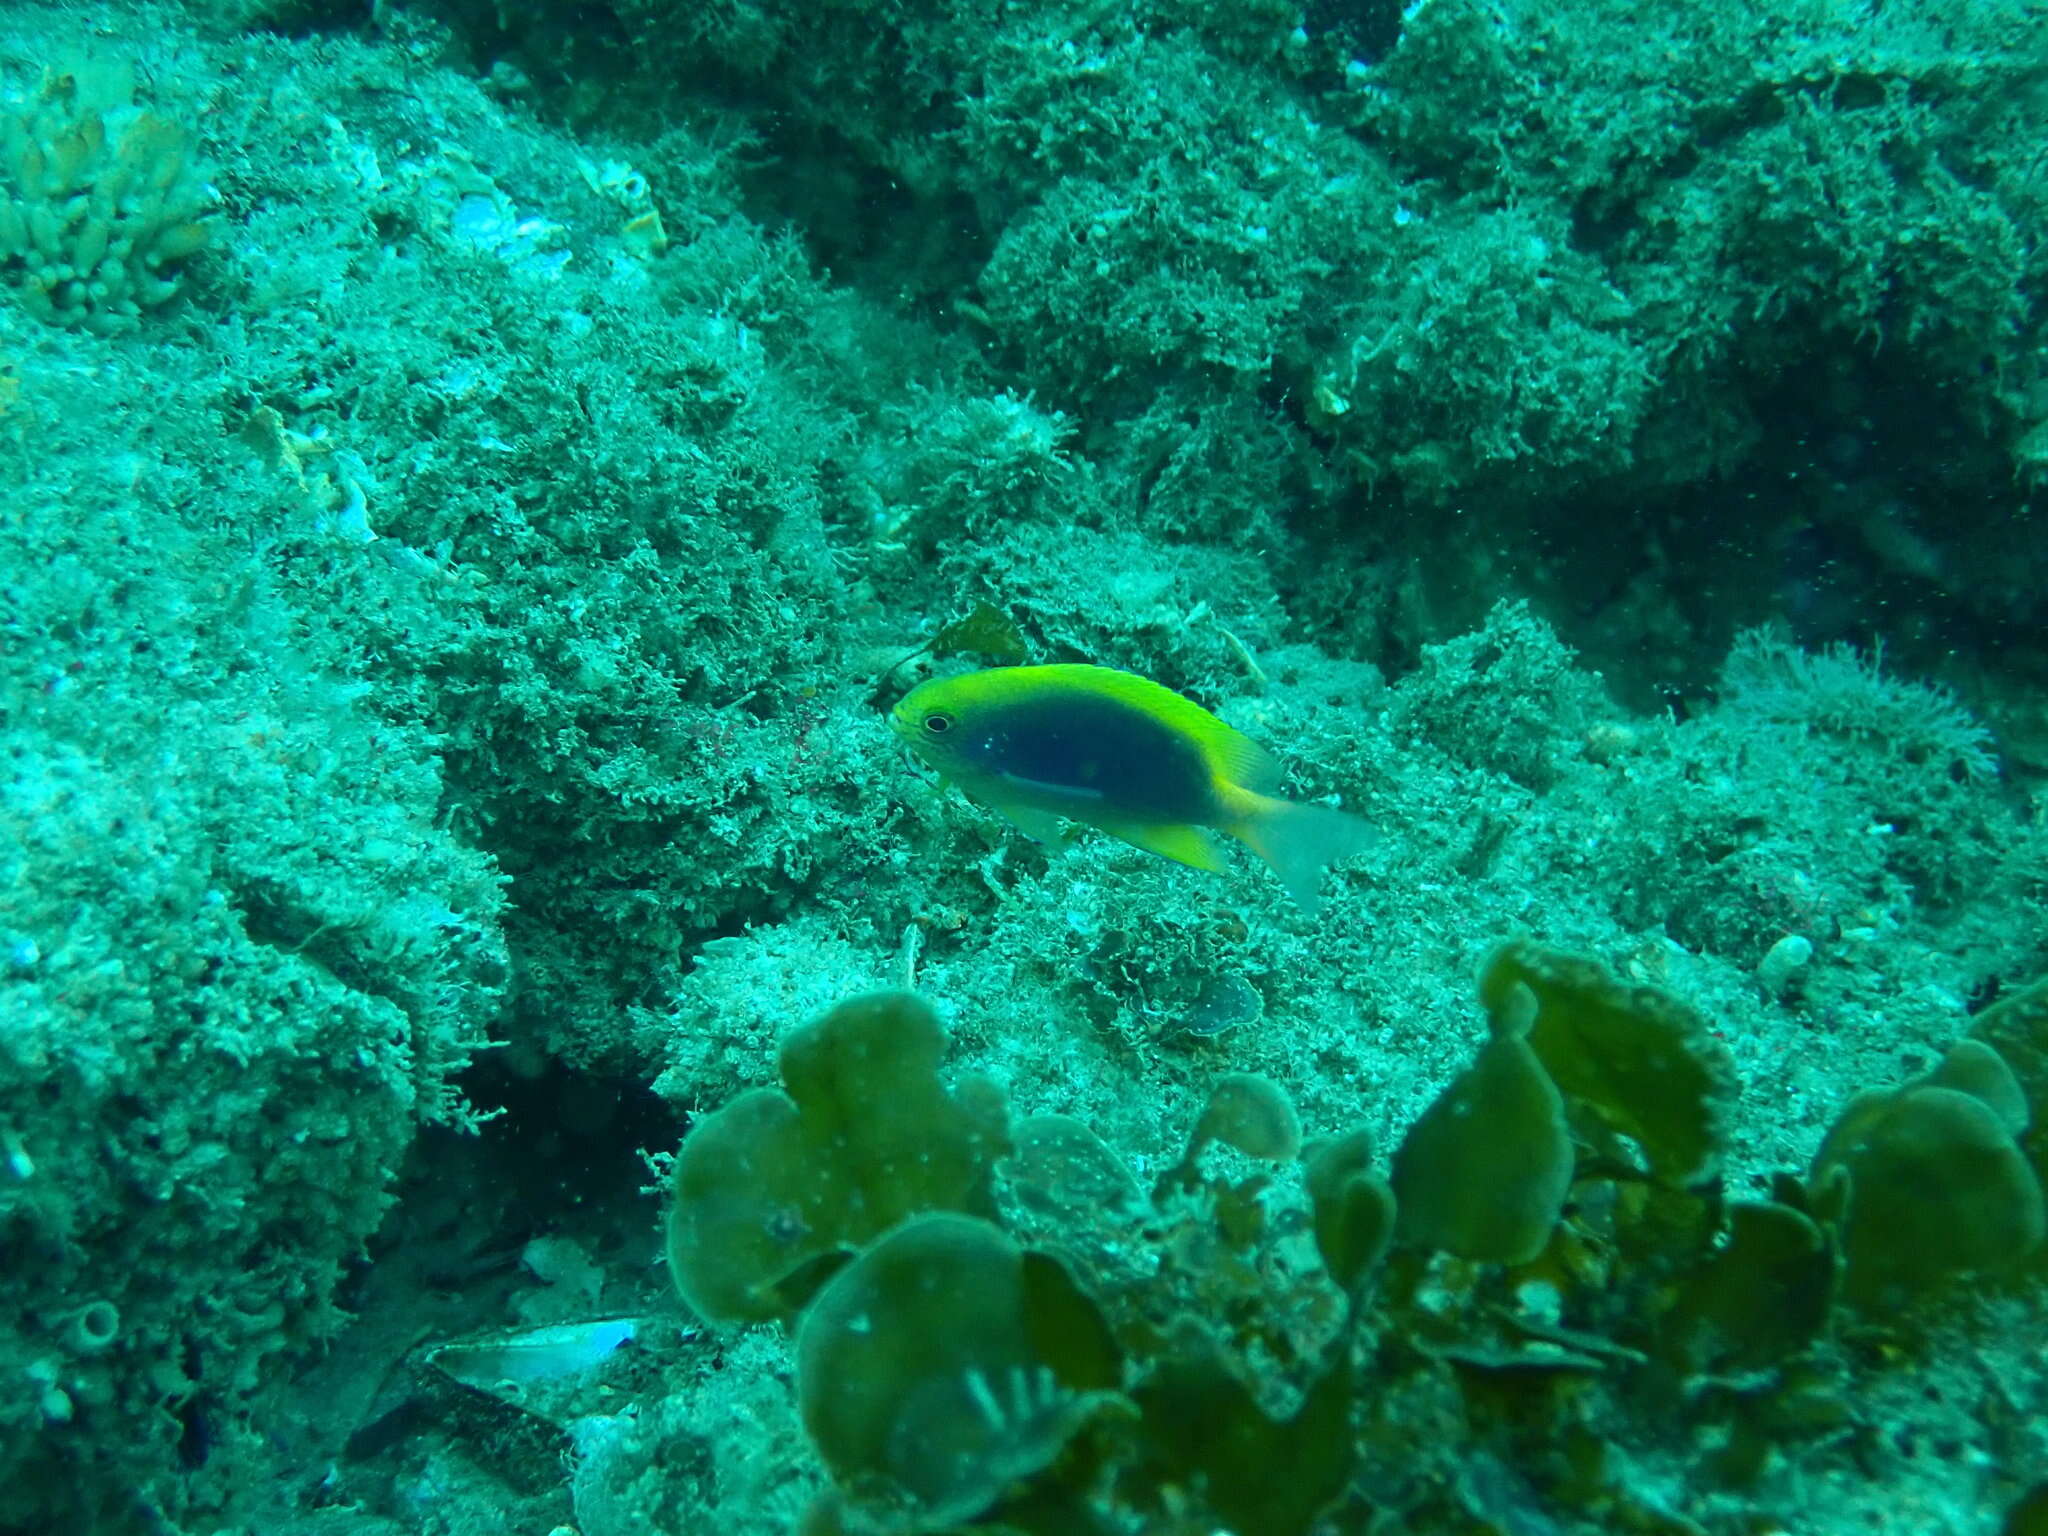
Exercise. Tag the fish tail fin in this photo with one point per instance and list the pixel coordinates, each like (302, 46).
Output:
(1300, 842)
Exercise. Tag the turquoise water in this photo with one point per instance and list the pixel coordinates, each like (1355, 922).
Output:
(474, 482)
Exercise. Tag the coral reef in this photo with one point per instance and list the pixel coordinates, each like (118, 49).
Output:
(493, 469)
(241, 962)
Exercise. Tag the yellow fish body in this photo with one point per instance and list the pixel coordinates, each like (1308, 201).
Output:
(1123, 754)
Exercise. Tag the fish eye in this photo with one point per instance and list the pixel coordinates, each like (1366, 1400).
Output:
(937, 723)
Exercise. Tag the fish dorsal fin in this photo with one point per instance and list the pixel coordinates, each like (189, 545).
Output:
(1230, 754)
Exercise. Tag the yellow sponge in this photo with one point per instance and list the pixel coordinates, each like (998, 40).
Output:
(100, 202)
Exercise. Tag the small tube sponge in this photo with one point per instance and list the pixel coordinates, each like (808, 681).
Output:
(100, 203)
(93, 1327)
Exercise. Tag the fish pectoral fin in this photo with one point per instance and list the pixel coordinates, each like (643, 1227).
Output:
(1039, 825)
(1077, 793)
(1182, 842)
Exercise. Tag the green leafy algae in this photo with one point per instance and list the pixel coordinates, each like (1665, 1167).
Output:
(1204, 1427)
(948, 1365)
(1060, 1168)
(1925, 1182)
(1645, 1064)
(1761, 1297)
(2028, 1517)
(1174, 1363)
(1252, 1114)
(776, 1183)
(984, 631)
(1247, 1112)
(1483, 1173)
(2017, 1028)
(1353, 1206)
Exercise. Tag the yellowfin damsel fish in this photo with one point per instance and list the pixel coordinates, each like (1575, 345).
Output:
(1123, 754)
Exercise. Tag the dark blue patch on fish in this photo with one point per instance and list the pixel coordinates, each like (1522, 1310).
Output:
(1094, 750)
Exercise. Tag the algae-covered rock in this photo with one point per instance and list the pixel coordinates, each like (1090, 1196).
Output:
(1926, 1181)
(244, 962)
(776, 1184)
(1640, 1060)
(947, 1365)
(1483, 1173)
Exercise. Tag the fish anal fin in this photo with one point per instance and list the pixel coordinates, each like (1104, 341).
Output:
(1182, 842)
(1039, 825)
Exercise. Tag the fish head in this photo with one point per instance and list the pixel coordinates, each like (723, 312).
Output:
(930, 720)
